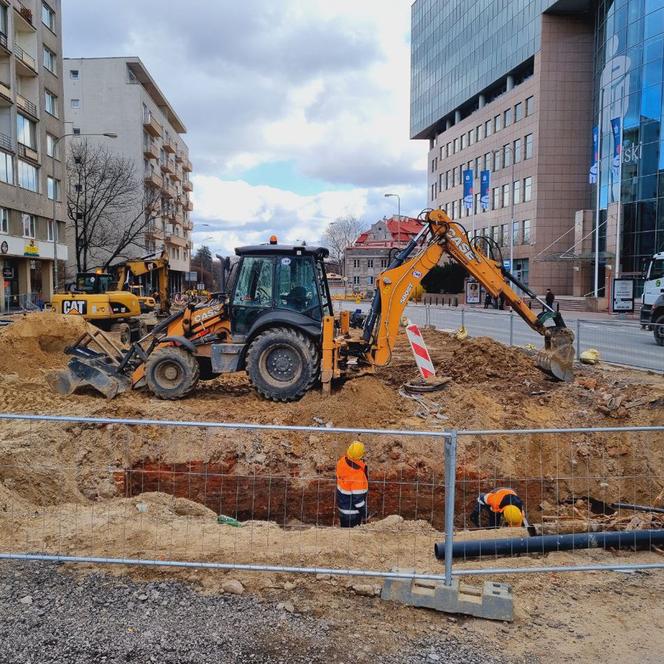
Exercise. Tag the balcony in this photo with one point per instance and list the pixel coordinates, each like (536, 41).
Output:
(26, 105)
(178, 218)
(23, 17)
(5, 95)
(176, 240)
(26, 65)
(168, 191)
(150, 151)
(169, 145)
(4, 46)
(177, 174)
(25, 152)
(188, 226)
(186, 165)
(151, 125)
(189, 206)
(155, 232)
(6, 143)
(188, 186)
(167, 167)
(153, 180)
(178, 157)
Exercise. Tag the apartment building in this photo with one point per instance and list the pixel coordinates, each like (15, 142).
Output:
(511, 90)
(31, 170)
(373, 249)
(119, 95)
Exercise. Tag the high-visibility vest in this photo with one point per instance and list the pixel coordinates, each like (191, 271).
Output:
(352, 485)
(495, 497)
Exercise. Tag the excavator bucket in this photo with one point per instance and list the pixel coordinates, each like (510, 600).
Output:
(88, 372)
(557, 358)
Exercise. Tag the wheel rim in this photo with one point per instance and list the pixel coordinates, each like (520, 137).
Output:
(659, 330)
(282, 364)
(168, 374)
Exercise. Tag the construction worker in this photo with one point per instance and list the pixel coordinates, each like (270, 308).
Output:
(500, 504)
(352, 486)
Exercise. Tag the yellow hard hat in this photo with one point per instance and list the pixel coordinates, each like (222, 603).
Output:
(355, 450)
(512, 514)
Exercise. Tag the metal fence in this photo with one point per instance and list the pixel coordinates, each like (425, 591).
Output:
(261, 498)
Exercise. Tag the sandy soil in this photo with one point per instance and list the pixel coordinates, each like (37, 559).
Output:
(103, 490)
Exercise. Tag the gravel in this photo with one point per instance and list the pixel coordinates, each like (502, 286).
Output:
(48, 615)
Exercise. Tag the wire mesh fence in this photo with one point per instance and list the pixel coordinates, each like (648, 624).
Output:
(263, 497)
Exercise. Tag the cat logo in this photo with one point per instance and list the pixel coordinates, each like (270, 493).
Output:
(74, 307)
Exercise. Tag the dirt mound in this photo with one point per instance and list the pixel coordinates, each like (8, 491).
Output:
(36, 341)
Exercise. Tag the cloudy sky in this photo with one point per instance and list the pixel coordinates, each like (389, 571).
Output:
(296, 110)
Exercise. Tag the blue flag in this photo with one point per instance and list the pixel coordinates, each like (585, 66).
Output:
(593, 174)
(616, 128)
(468, 189)
(485, 184)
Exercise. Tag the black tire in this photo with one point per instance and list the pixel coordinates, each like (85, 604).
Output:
(171, 373)
(283, 364)
(658, 329)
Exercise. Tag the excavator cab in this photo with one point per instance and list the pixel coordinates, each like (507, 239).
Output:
(93, 283)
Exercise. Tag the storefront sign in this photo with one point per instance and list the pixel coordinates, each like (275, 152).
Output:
(472, 292)
(623, 295)
(31, 250)
(4, 247)
(7, 272)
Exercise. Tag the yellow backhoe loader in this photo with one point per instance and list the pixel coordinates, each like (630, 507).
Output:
(273, 319)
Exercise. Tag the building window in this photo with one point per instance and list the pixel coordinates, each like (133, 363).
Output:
(456, 146)
(471, 137)
(53, 188)
(529, 146)
(356, 263)
(433, 191)
(515, 232)
(73, 74)
(526, 231)
(6, 168)
(28, 176)
(76, 103)
(497, 123)
(488, 128)
(488, 161)
(49, 230)
(448, 151)
(478, 162)
(4, 220)
(527, 189)
(517, 150)
(49, 60)
(356, 281)
(496, 198)
(507, 117)
(504, 239)
(369, 262)
(383, 262)
(480, 129)
(463, 141)
(530, 106)
(517, 192)
(51, 146)
(26, 131)
(51, 103)
(370, 281)
(506, 195)
(76, 131)
(3, 20)
(507, 155)
(454, 209)
(498, 160)
(28, 225)
(518, 112)
(48, 17)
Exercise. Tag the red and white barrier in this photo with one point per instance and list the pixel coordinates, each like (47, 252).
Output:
(420, 352)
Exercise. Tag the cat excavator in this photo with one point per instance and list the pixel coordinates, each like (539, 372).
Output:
(273, 318)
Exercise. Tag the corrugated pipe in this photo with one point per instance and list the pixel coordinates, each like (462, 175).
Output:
(626, 539)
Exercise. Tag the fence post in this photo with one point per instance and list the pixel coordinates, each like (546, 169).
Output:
(463, 318)
(511, 328)
(450, 478)
(578, 339)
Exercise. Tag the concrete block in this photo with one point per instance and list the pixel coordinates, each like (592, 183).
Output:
(493, 601)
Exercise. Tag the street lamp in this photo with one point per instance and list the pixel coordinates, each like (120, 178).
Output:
(54, 220)
(398, 212)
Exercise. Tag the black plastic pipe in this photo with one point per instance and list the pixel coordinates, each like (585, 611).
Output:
(626, 539)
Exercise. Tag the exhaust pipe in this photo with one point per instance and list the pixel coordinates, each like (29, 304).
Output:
(627, 539)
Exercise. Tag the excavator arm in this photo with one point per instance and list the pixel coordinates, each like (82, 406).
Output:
(139, 267)
(395, 286)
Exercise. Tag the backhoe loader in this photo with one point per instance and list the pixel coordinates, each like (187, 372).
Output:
(273, 319)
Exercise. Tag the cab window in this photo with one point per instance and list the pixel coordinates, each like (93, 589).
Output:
(657, 269)
(254, 284)
(296, 282)
(93, 283)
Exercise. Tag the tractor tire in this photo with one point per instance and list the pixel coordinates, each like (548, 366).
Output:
(282, 364)
(171, 373)
(658, 329)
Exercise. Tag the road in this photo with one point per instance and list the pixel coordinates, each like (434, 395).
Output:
(619, 342)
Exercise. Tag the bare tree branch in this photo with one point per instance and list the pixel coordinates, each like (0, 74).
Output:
(340, 235)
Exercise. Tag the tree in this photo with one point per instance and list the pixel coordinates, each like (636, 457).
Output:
(206, 267)
(109, 207)
(340, 235)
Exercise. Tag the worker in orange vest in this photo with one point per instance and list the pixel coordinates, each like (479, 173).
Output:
(352, 486)
(501, 504)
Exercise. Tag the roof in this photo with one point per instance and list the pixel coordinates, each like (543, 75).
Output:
(282, 250)
(402, 230)
(142, 75)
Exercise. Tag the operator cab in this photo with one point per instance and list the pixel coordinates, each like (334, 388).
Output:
(93, 283)
(281, 282)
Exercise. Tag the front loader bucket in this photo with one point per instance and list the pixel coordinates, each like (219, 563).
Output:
(557, 358)
(91, 372)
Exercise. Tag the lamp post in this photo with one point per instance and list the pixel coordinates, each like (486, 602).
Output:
(54, 221)
(398, 212)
